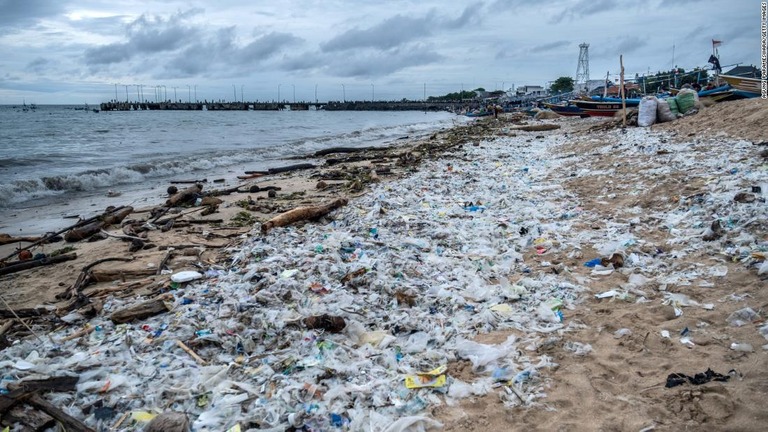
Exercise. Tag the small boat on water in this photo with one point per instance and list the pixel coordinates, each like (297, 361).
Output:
(743, 86)
(481, 113)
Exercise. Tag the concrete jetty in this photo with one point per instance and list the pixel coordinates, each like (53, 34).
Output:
(276, 106)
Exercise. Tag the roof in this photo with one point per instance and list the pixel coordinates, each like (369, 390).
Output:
(744, 71)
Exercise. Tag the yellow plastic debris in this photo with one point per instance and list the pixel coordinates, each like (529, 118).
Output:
(142, 416)
(434, 378)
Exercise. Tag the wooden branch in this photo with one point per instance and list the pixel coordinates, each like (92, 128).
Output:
(122, 237)
(70, 423)
(291, 168)
(85, 278)
(25, 313)
(105, 220)
(25, 265)
(344, 150)
(6, 326)
(302, 213)
(140, 311)
(189, 351)
(165, 260)
(184, 195)
(122, 274)
(7, 239)
(47, 237)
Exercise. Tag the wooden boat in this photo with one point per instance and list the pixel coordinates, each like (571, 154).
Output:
(569, 110)
(743, 86)
(598, 108)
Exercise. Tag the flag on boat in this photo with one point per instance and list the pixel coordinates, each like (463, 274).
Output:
(716, 43)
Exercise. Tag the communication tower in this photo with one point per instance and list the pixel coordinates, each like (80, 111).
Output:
(582, 70)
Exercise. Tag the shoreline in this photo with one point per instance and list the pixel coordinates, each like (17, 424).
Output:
(436, 270)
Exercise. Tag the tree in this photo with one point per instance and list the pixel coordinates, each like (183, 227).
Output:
(562, 85)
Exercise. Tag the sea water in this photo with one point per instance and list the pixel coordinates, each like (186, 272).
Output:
(58, 161)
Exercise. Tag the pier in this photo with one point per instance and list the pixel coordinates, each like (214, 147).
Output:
(276, 106)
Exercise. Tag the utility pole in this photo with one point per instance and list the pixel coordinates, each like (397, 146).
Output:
(189, 93)
(126, 93)
(175, 97)
(116, 92)
(315, 93)
(195, 92)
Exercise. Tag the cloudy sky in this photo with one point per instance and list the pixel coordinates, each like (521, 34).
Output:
(75, 51)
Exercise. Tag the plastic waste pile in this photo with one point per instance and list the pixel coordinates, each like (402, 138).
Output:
(352, 324)
(356, 324)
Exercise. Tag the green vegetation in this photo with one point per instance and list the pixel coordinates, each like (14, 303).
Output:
(562, 85)
(456, 96)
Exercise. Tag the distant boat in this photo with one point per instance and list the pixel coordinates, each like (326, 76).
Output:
(743, 86)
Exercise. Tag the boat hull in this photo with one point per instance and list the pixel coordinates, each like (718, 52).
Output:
(566, 110)
(598, 109)
(743, 86)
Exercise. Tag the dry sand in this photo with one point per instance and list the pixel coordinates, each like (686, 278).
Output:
(620, 384)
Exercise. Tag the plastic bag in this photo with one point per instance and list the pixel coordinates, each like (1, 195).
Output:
(664, 112)
(686, 100)
(647, 111)
(673, 106)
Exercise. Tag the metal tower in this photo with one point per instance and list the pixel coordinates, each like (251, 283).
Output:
(582, 70)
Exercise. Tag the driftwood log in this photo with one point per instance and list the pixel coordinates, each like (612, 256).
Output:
(140, 311)
(185, 195)
(302, 213)
(7, 239)
(105, 220)
(47, 237)
(121, 274)
(86, 278)
(343, 150)
(27, 393)
(24, 265)
(289, 168)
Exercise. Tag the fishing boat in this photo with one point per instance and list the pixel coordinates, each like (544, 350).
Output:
(568, 110)
(597, 108)
(743, 86)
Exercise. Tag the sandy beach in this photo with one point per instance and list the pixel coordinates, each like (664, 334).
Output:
(468, 250)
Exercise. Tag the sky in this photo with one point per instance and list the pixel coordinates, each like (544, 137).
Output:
(91, 51)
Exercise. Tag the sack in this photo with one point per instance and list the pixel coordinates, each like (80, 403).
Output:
(663, 112)
(686, 100)
(647, 111)
(673, 106)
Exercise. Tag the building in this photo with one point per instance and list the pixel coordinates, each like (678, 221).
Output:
(744, 71)
(531, 90)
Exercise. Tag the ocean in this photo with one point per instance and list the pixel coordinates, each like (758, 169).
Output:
(61, 161)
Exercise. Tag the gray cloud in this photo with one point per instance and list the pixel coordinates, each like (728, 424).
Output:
(382, 63)
(146, 34)
(399, 30)
(20, 14)
(390, 33)
(220, 51)
(584, 8)
(103, 26)
(550, 46)
(40, 65)
(630, 44)
(265, 46)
